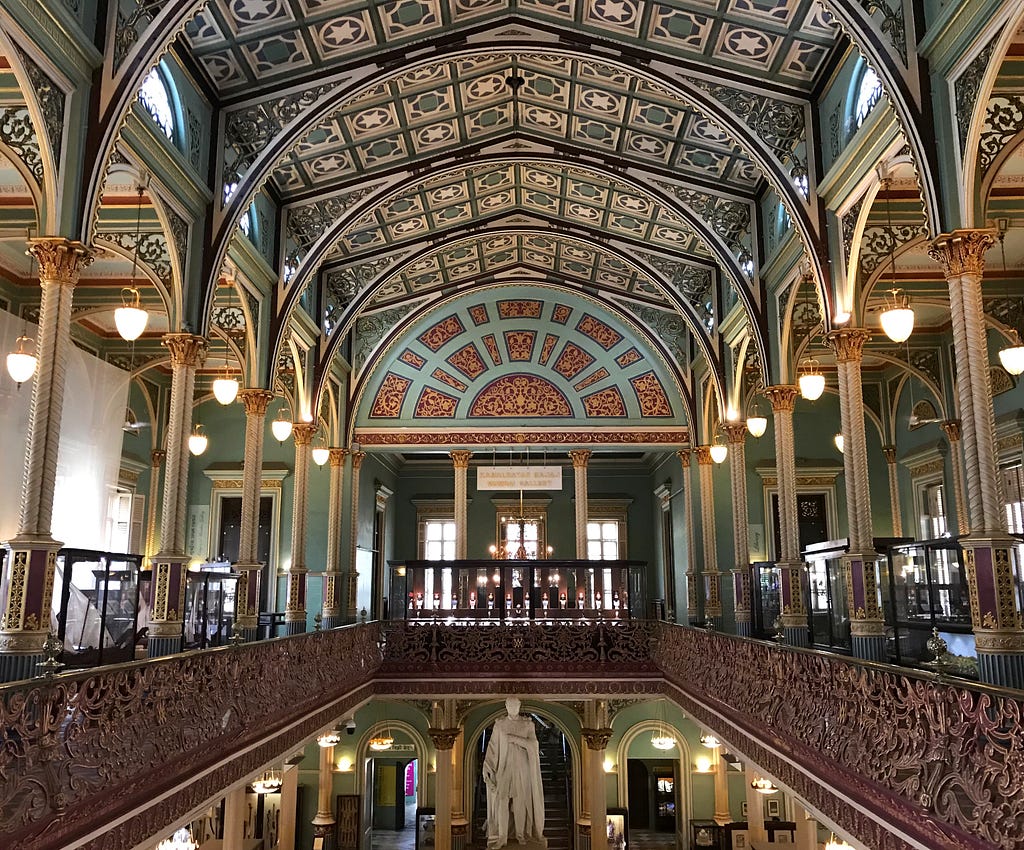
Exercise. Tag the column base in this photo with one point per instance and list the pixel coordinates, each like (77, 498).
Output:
(16, 666)
(869, 647)
(295, 627)
(460, 834)
(1004, 669)
(797, 636)
(250, 634)
(743, 628)
(332, 621)
(324, 831)
(160, 646)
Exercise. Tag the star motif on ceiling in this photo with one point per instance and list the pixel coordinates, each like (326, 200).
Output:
(614, 10)
(747, 43)
(437, 133)
(254, 10)
(342, 32)
(373, 118)
(600, 101)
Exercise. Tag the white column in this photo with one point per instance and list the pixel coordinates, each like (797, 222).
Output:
(736, 436)
(692, 605)
(580, 459)
(247, 602)
(712, 576)
(331, 610)
(295, 613)
(460, 461)
(289, 797)
(722, 815)
(156, 459)
(323, 821)
(951, 428)
(894, 490)
(596, 734)
(234, 819)
(755, 808)
(353, 574)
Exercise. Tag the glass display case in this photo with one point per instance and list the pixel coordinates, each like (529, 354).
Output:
(766, 604)
(209, 606)
(827, 609)
(618, 828)
(924, 586)
(98, 614)
(500, 591)
(425, 817)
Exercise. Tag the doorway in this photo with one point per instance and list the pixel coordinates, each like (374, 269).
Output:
(391, 783)
(653, 797)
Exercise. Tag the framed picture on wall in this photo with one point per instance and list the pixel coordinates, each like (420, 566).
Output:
(743, 809)
(740, 840)
(774, 808)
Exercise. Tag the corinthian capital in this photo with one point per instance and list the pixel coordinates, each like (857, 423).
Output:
(962, 252)
(735, 432)
(255, 401)
(60, 260)
(848, 344)
(336, 457)
(782, 396)
(703, 455)
(580, 458)
(302, 432)
(185, 349)
(460, 458)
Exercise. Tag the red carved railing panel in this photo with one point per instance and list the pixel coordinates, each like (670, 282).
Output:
(81, 750)
(942, 762)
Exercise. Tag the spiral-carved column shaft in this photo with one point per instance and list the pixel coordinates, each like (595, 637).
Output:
(712, 576)
(156, 459)
(353, 573)
(951, 428)
(894, 490)
(735, 436)
(460, 462)
(295, 613)
(692, 599)
(580, 460)
(331, 609)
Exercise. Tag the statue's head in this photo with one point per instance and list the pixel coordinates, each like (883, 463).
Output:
(512, 704)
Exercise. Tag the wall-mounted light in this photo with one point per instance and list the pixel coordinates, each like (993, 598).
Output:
(702, 764)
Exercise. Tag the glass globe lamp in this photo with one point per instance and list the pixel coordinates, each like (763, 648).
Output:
(1012, 357)
(225, 388)
(897, 318)
(130, 319)
(21, 364)
(198, 441)
(811, 381)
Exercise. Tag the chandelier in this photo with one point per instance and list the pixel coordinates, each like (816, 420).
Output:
(710, 741)
(181, 840)
(837, 844)
(502, 549)
(764, 786)
(662, 739)
(268, 783)
(329, 739)
(381, 742)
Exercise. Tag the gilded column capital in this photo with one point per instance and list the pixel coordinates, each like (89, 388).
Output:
(890, 454)
(60, 260)
(460, 458)
(302, 432)
(580, 458)
(962, 251)
(782, 396)
(684, 457)
(357, 459)
(735, 432)
(597, 739)
(185, 349)
(255, 400)
(336, 457)
(444, 739)
(157, 457)
(951, 428)
(703, 455)
(848, 343)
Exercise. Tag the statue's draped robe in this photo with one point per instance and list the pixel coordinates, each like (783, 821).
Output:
(512, 775)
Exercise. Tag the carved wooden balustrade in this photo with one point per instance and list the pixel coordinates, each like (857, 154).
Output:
(150, 741)
(942, 762)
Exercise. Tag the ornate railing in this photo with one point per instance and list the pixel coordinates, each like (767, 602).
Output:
(147, 742)
(593, 648)
(940, 761)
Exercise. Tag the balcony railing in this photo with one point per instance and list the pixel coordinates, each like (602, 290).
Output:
(114, 756)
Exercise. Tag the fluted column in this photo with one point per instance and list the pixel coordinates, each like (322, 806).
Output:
(331, 611)
(444, 741)
(295, 613)
(31, 563)
(867, 627)
(894, 490)
(995, 608)
(167, 587)
(736, 436)
(353, 574)
(596, 735)
(721, 767)
(712, 576)
(247, 601)
(951, 428)
(794, 611)
(156, 461)
(460, 461)
(580, 459)
(692, 598)
(323, 821)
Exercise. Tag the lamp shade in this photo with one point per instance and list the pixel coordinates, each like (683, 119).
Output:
(1012, 357)
(898, 323)
(21, 364)
(840, 442)
(329, 739)
(710, 741)
(757, 425)
(812, 385)
(662, 741)
(198, 441)
(130, 318)
(320, 455)
(281, 428)
(719, 452)
(763, 786)
(225, 388)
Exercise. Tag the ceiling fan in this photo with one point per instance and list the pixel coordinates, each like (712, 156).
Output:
(914, 421)
(131, 424)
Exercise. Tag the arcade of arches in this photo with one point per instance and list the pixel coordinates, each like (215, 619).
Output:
(724, 294)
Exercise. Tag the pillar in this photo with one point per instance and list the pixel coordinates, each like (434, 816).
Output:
(323, 821)
(951, 428)
(580, 459)
(460, 824)
(353, 574)
(692, 599)
(289, 797)
(995, 609)
(794, 610)
(460, 461)
(444, 741)
(596, 739)
(894, 490)
(722, 815)
(331, 612)
(806, 828)
(295, 613)
(712, 576)
(867, 626)
(32, 561)
(755, 808)
(736, 436)
(234, 819)
(156, 461)
(167, 587)
(247, 603)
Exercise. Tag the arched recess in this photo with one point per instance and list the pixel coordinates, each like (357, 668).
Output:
(388, 193)
(401, 330)
(422, 751)
(620, 756)
(528, 706)
(973, 196)
(354, 309)
(47, 196)
(808, 228)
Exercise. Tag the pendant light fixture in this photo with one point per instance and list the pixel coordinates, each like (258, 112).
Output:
(225, 387)
(719, 451)
(710, 741)
(281, 427)
(756, 423)
(320, 453)
(897, 318)
(811, 381)
(198, 441)
(840, 442)
(269, 783)
(22, 363)
(662, 739)
(130, 318)
(1012, 356)
(837, 844)
(763, 785)
(181, 840)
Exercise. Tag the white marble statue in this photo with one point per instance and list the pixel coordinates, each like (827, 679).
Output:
(514, 786)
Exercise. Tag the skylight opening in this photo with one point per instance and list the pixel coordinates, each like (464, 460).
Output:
(157, 100)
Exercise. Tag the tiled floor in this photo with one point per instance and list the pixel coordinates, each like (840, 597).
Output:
(392, 839)
(642, 840)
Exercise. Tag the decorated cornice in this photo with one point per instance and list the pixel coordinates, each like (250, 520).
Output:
(568, 436)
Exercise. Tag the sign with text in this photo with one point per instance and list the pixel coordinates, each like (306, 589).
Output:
(519, 478)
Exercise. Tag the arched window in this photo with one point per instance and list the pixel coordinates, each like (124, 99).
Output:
(869, 91)
(156, 97)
